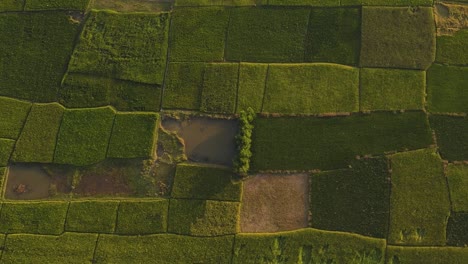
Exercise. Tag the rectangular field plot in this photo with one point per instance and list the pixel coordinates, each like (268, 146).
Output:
(6, 148)
(36, 218)
(419, 203)
(334, 35)
(70, 248)
(38, 138)
(13, 114)
(198, 34)
(92, 216)
(311, 88)
(387, 2)
(165, 248)
(84, 136)
(56, 5)
(34, 56)
(304, 2)
(11, 5)
(203, 217)
(80, 90)
(267, 35)
(456, 230)
(352, 200)
(446, 89)
(396, 255)
(304, 143)
(308, 246)
(452, 136)
(142, 217)
(452, 49)
(193, 3)
(392, 89)
(220, 88)
(252, 78)
(457, 176)
(127, 46)
(201, 182)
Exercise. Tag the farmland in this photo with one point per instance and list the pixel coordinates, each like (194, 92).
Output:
(234, 131)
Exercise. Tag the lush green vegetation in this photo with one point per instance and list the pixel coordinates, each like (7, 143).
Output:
(311, 88)
(132, 96)
(419, 203)
(80, 90)
(11, 5)
(92, 216)
(219, 2)
(334, 35)
(244, 142)
(6, 148)
(308, 246)
(398, 37)
(456, 230)
(304, 143)
(252, 78)
(13, 114)
(184, 83)
(396, 255)
(67, 248)
(220, 88)
(203, 217)
(446, 89)
(392, 89)
(164, 248)
(38, 137)
(267, 35)
(457, 176)
(203, 182)
(387, 2)
(452, 136)
(32, 63)
(305, 2)
(198, 34)
(123, 46)
(142, 217)
(134, 135)
(84, 136)
(453, 49)
(56, 5)
(36, 218)
(352, 200)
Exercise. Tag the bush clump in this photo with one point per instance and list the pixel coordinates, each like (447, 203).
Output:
(244, 141)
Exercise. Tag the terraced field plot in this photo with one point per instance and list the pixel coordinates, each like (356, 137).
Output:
(234, 131)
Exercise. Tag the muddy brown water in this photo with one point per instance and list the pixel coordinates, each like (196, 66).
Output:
(207, 140)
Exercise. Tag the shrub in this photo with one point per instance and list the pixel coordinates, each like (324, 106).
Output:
(452, 136)
(419, 203)
(252, 78)
(84, 136)
(38, 137)
(267, 35)
(446, 89)
(244, 142)
(134, 135)
(142, 217)
(202, 182)
(220, 88)
(92, 216)
(13, 114)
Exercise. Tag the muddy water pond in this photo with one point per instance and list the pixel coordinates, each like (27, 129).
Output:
(206, 140)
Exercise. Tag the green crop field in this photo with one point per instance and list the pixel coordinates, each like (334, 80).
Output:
(234, 131)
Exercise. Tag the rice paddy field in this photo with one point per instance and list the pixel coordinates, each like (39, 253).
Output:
(234, 131)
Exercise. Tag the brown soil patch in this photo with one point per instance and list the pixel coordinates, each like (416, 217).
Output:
(273, 203)
(450, 18)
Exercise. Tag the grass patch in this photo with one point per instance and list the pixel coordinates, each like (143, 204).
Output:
(452, 136)
(198, 34)
(37, 58)
(92, 216)
(456, 230)
(334, 35)
(133, 135)
(252, 79)
(392, 89)
(184, 84)
(56, 5)
(396, 255)
(36, 218)
(446, 89)
(11, 5)
(84, 136)
(352, 200)
(203, 217)
(38, 137)
(457, 176)
(66, 248)
(303, 143)
(267, 35)
(169, 249)
(452, 49)
(419, 203)
(201, 182)
(127, 46)
(6, 148)
(311, 88)
(13, 114)
(398, 37)
(308, 246)
(220, 88)
(142, 217)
